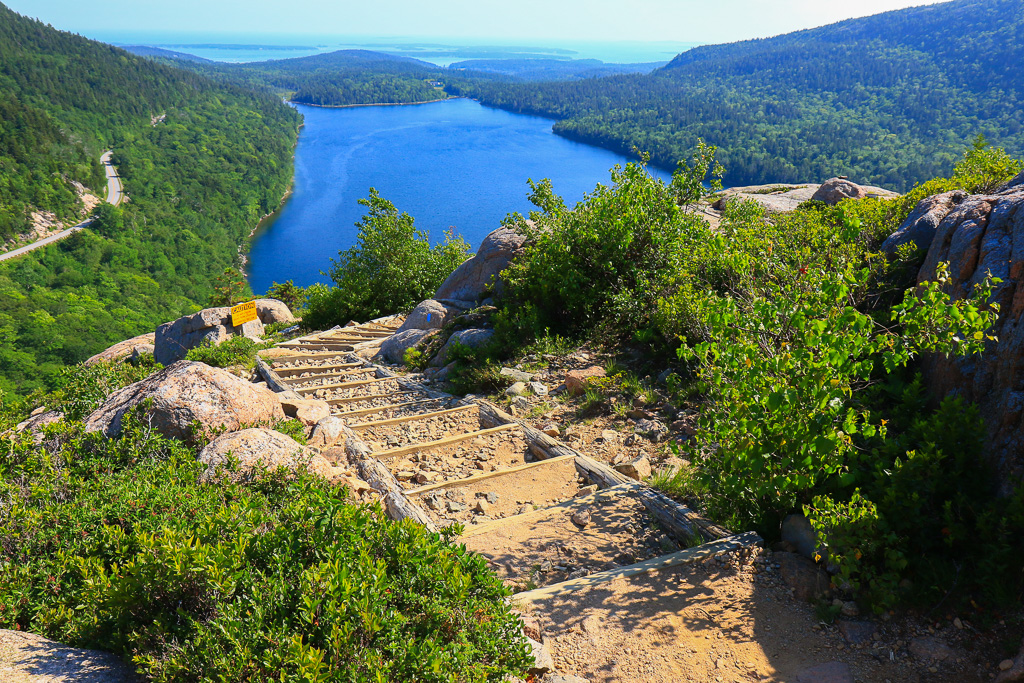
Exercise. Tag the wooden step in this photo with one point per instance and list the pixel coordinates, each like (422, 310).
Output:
(296, 381)
(409, 418)
(318, 346)
(370, 411)
(428, 445)
(367, 397)
(312, 355)
(283, 372)
(590, 499)
(345, 385)
(483, 475)
(749, 539)
(369, 334)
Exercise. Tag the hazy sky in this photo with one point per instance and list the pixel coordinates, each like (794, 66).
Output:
(702, 21)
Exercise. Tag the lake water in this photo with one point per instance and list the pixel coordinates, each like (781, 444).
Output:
(453, 164)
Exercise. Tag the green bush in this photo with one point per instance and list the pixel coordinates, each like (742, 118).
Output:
(80, 389)
(114, 544)
(602, 265)
(234, 351)
(391, 268)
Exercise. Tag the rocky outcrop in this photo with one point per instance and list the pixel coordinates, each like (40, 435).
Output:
(212, 325)
(394, 347)
(29, 658)
(122, 350)
(471, 338)
(835, 190)
(429, 315)
(186, 393)
(477, 277)
(271, 311)
(308, 411)
(923, 221)
(978, 235)
(255, 448)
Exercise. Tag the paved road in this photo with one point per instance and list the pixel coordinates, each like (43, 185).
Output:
(115, 195)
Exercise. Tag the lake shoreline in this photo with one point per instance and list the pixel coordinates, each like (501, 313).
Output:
(378, 104)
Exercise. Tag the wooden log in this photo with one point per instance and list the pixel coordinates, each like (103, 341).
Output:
(326, 375)
(749, 539)
(546, 447)
(447, 441)
(397, 505)
(270, 377)
(409, 418)
(410, 384)
(480, 477)
(287, 372)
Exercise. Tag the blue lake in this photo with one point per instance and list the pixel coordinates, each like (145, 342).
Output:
(453, 164)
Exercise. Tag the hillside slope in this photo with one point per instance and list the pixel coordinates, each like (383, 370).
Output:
(889, 100)
(198, 183)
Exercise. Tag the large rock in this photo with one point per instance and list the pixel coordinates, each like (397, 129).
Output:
(429, 315)
(212, 325)
(186, 393)
(122, 349)
(308, 411)
(921, 224)
(29, 658)
(273, 311)
(395, 346)
(476, 277)
(259, 447)
(835, 190)
(808, 581)
(472, 338)
(576, 381)
(985, 234)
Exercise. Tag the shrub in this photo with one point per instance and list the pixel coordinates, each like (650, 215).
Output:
(234, 351)
(288, 293)
(115, 544)
(602, 265)
(391, 268)
(80, 389)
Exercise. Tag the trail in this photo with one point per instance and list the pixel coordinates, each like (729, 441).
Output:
(115, 195)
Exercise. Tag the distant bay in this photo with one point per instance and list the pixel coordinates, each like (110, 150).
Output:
(453, 164)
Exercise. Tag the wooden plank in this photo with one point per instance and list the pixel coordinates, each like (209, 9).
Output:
(447, 441)
(590, 499)
(353, 333)
(318, 346)
(381, 409)
(481, 477)
(271, 378)
(409, 384)
(310, 356)
(366, 397)
(749, 539)
(409, 418)
(397, 505)
(345, 385)
(284, 372)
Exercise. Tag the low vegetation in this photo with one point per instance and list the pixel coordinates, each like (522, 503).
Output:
(115, 544)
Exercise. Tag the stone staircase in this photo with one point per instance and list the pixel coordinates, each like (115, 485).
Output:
(550, 520)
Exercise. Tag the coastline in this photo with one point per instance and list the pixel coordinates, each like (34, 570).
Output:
(378, 104)
(243, 256)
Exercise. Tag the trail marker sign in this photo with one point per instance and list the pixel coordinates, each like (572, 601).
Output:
(243, 313)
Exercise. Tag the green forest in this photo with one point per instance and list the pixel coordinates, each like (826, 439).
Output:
(887, 100)
(198, 183)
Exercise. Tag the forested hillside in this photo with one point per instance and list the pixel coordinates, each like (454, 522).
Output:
(890, 99)
(337, 78)
(198, 183)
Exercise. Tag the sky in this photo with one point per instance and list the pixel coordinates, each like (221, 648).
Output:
(699, 21)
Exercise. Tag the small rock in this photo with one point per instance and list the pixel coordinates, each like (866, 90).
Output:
(799, 532)
(454, 506)
(521, 404)
(581, 518)
(927, 648)
(638, 468)
(850, 609)
(517, 389)
(957, 623)
(609, 436)
(1006, 665)
(856, 632)
(652, 429)
(576, 381)
(833, 672)
(516, 375)
(637, 414)
(538, 388)
(483, 507)
(491, 497)
(542, 661)
(552, 430)
(808, 581)
(587, 490)
(532, 628)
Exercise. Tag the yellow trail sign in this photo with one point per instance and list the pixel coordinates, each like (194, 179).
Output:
(243, 313)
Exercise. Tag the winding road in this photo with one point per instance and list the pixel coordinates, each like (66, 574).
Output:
(115, 195)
